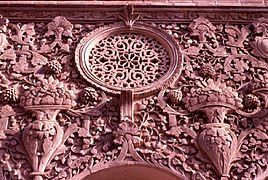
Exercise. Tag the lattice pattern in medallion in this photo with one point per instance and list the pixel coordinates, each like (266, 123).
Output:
(142, 58)
(129, 60)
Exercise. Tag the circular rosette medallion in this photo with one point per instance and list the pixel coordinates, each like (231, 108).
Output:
(115, 58)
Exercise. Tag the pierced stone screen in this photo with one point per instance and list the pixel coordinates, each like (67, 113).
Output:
(128, 60)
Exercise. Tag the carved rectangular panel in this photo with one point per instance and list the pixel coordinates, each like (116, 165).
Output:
(89, 88)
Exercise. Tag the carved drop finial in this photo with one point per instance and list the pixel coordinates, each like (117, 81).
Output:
(129, 17)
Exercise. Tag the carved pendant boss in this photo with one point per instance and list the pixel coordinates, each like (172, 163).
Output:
(189, 97)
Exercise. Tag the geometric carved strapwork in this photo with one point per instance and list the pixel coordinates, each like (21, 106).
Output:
(189, 98)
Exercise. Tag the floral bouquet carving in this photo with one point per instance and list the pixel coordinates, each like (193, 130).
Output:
(48, 92)
(215, 99)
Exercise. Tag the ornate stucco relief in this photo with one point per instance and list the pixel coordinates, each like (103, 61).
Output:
(188, 97)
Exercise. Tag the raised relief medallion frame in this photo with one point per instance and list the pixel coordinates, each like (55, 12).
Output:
(164, 67)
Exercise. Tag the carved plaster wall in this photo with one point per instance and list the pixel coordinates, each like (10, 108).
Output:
(182, 91)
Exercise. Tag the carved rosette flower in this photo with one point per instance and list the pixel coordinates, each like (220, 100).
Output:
(136, 58)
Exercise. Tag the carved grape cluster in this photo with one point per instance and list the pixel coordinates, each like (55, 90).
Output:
(89, 96)
(10, 95)
(251, 101)
(174, 96)
(54, 67)
(207, 70)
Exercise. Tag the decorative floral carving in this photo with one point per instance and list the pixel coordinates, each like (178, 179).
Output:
(3, 27)
(219, 143)
(61, 30)
(261, 41)
(203, 89)
(207, 122)
(48, 92)
(6, 49)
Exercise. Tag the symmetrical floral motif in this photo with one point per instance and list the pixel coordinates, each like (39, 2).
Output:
(208, 122)
(128, 60)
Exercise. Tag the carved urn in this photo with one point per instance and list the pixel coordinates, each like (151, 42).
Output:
(43, 135)
(217, 141)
